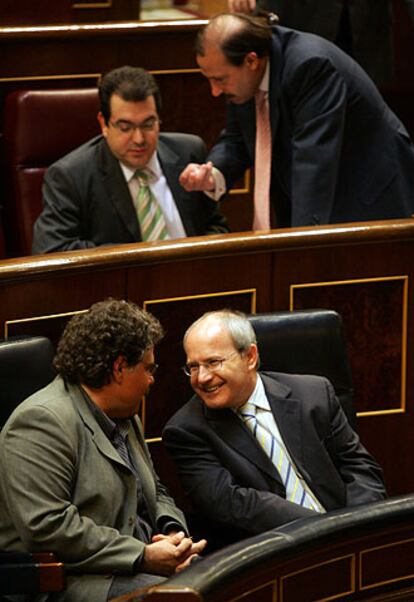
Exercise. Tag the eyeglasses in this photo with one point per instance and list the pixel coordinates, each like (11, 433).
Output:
(213, 365)
(127, 127)
(151, 369)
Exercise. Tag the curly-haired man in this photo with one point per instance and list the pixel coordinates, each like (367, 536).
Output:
(76, 477)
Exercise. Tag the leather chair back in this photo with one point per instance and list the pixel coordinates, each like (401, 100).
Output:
(40, 127)
(25, 367)
(307, 342)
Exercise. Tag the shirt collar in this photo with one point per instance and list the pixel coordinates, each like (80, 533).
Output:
(103, 420)
(258, 397)
(153, 166)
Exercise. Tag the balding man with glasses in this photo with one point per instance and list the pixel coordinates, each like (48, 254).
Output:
(122, 186)
(256, 450)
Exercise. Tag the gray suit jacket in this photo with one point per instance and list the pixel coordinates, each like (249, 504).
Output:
(231, 480)
(370, 24)
(65, 489)
(87, 202)
(338, 152)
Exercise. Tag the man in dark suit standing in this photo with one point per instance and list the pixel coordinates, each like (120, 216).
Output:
(122, 186)
(338, 153)
(257, 450)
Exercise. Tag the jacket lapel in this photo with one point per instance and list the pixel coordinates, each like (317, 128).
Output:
(100, 439)
(287, 414)
(275, 85)
(235, 433)
(118, 191)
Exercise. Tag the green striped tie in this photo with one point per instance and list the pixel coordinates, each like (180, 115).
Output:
(151, 218)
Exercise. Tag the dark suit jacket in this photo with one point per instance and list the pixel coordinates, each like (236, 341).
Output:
(230, 479)
(64, 487)
(370, 23)
(87, 202)
(338, 152)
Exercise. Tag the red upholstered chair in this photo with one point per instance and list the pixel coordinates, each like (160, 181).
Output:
(40, 126)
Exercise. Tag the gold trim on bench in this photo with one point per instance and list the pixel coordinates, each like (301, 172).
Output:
(38, 319)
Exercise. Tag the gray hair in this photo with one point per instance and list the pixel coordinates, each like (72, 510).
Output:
(235, 322)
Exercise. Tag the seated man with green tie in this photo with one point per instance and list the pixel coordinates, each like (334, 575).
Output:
(122, 186)
(255, 450)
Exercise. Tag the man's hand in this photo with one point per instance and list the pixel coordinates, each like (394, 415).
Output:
(170, 553)
(198, 177)
(241, 6)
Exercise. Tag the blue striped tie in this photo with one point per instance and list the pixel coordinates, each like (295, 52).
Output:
(273, 447)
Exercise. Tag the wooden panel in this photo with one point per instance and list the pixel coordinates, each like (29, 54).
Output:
(27, 12)
(88, 11)
(388, 563)
(326, 580)
(380, 304)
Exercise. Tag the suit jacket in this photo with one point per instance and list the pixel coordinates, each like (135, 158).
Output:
(338, 152)
(370, 23)
(64, 488)
(87, 202)
(229, 477)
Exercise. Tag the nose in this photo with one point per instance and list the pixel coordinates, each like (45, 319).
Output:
(215, 89)
(203, 375)
(137, 136)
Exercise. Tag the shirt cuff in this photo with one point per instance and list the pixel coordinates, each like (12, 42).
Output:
(170, 525)
(220, 185)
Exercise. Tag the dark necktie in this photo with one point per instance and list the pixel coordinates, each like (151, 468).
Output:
(143, 529)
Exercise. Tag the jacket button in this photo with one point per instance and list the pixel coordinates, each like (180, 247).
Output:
(131, 521)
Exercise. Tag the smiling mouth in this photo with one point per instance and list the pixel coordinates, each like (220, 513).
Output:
(212, 389)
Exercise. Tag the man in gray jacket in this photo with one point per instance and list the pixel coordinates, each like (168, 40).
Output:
(76, 477)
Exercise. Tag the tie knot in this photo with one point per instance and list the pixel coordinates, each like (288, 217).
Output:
(144, 176)
(248, 410)
(122, 428)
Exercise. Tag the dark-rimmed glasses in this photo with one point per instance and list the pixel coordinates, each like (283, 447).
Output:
(128, 127)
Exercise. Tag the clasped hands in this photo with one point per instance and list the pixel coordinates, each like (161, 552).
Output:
(168, 554)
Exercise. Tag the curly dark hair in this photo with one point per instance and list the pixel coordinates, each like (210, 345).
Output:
(131, 84)
(93, 340)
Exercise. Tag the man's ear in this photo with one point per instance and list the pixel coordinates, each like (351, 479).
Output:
(252, 61)
(104, 127)
(252, 355)
(117, 369)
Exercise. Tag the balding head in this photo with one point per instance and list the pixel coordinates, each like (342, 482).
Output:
(235, 35)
